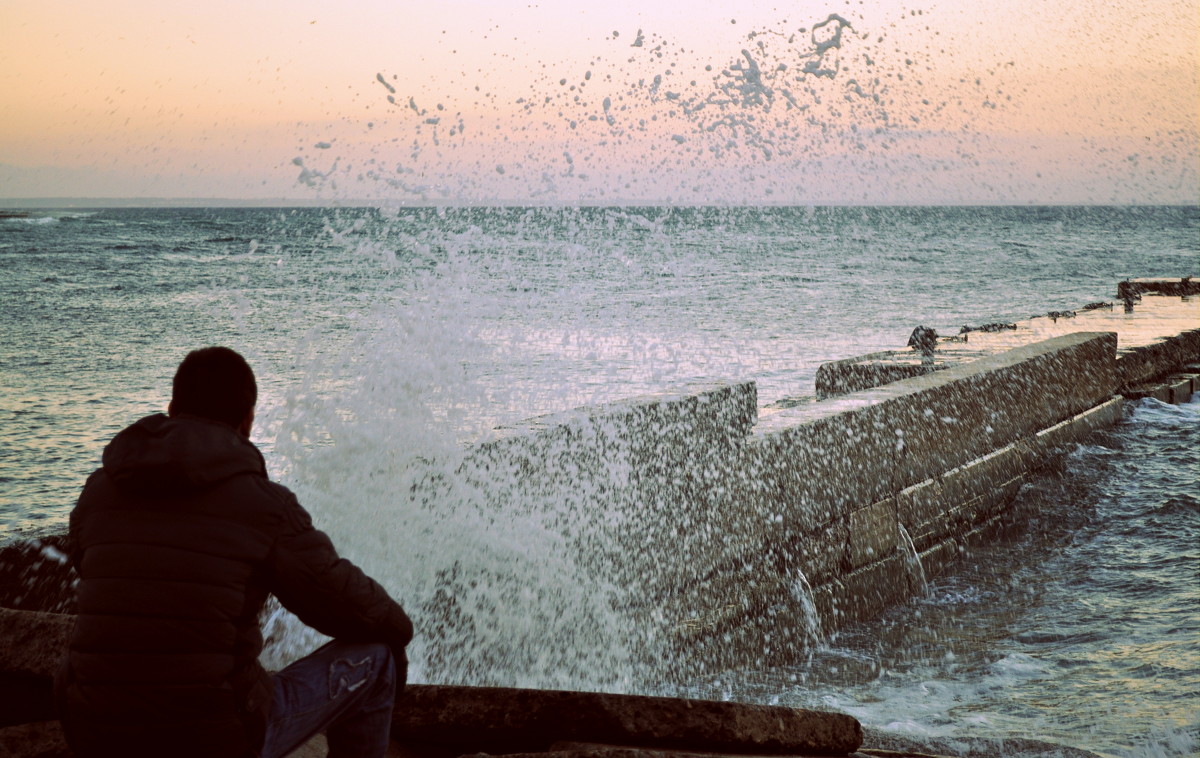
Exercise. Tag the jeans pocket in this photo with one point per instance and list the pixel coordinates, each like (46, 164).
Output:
(348, 675)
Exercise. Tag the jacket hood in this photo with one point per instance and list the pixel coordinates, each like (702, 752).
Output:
(175, 455)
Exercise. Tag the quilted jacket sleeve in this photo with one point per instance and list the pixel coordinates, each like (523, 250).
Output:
(329, 593)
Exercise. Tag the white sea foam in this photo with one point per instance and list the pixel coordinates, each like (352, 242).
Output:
(1153, 411)
(32, 221)
(499, 597)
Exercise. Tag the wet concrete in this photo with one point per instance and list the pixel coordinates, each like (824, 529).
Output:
(1155, 335)
(840, 494)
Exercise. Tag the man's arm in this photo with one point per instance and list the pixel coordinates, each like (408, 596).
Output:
(330, 593)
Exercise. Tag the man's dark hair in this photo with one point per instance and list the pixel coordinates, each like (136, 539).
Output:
(214, 383)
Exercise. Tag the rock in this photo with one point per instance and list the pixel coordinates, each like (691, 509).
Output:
(36, 576)
(923, 340)
(997, 326)
(34, 643)
(501, 720)
(38, 740)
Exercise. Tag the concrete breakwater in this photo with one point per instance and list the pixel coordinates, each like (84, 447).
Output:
(794, 521)
(754, 530)
(801, 513)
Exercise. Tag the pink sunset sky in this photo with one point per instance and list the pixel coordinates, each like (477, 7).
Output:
(1063, 101)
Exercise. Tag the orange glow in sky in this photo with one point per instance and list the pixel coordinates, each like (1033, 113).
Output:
(892, 102)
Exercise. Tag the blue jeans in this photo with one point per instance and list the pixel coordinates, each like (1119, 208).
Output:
(344, 689)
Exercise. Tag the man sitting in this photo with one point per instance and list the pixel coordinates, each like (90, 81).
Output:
(178, 540)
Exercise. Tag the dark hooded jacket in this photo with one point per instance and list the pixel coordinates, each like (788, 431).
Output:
(178, 540)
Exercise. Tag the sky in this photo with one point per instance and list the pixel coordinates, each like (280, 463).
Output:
(877, 102)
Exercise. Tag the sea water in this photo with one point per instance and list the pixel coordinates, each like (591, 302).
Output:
(389, 340)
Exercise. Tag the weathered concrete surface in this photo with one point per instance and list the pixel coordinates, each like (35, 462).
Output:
(600, 751)
(1157, 336)
(864, 593)
(599, 444)
(898, 747)
(812, 540)
(986, 484)
(1146, 363)
(615, 475)
(1183, 386)
(872, 753)
(824, 459)
(1158, 391)
(874, 533)
(1135, 288)
(870, 370)
(817, 464)
(1073, 429)
(499, 720)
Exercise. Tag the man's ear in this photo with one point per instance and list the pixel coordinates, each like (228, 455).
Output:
(171, 408)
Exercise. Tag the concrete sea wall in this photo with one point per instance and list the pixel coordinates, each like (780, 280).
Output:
(844, 492)
(737, 525)
(734, 526)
